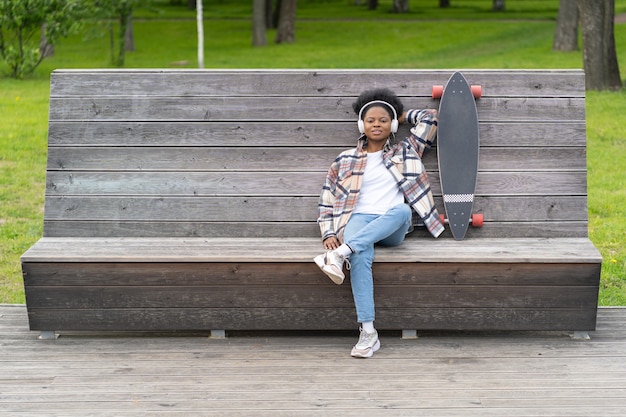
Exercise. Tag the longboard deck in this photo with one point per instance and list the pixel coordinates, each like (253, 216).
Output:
(457, 150)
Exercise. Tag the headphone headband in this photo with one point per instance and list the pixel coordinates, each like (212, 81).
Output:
(395, 115)
(394, 122)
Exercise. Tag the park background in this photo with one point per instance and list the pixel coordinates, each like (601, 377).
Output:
(328, 34)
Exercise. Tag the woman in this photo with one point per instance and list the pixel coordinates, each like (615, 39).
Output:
(369, 197)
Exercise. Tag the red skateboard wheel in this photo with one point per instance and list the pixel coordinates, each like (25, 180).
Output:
(477, 220)
(442, 218)
(437, 91)
(477, 91)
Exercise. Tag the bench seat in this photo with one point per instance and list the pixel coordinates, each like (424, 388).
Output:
(162, 284)
(181, 200)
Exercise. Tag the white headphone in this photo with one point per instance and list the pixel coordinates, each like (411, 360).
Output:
(394, 122)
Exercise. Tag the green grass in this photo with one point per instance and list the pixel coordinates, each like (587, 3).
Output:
(427, 10)
(318, 45)
(606, 149)
(468, 35)
(23, 106)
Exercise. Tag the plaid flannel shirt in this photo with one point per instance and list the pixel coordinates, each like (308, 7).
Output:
(345, 176)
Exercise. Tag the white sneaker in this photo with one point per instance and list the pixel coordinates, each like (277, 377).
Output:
(366, 346)
(331, 263)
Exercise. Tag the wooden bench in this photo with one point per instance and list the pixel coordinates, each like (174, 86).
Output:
(182, 200)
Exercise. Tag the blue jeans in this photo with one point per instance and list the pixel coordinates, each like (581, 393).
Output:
(362, 232)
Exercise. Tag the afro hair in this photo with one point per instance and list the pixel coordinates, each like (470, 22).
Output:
(382, 94)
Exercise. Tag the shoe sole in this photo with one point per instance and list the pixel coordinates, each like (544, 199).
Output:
(369, 352)
(319, 261)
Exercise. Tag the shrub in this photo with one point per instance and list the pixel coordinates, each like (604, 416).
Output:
(23, 25)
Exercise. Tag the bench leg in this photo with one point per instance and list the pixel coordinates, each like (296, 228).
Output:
(48, 335)
(581, 335)
(217, 334)
(409, 334)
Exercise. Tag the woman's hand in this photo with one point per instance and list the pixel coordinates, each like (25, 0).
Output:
(331, 243)
(402, 118)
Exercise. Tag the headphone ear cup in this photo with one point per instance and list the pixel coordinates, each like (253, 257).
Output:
(361, 126)
(394, 125)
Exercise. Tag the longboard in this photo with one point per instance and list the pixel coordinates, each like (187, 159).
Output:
(457, 150)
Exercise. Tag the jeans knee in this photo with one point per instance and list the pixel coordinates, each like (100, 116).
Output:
(407, 212)
(362, 259)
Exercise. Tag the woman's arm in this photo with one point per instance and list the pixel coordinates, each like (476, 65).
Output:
(424, 130)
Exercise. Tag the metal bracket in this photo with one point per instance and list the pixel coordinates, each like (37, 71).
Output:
(409, 334)
(581, 335)
(217, 334)
(48, 335)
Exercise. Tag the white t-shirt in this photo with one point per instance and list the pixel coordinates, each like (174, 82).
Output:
(379, 191)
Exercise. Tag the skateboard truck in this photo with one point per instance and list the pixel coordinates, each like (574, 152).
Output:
(477, 219)
(477, 91)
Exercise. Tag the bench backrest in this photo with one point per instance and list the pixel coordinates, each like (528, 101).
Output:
(216, 153)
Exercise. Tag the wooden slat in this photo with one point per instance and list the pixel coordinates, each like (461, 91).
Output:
(298, 159)
(286, 184)
(303, 83)
(255, 229)
(255, 109)
(203, 319)
(293, 134)
(285, 209)
(245, 274)
(569, 250)
(297, 297)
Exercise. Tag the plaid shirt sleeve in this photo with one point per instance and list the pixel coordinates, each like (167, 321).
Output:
(326, 202)
(340, 192)
(417, 189)
(424, 132)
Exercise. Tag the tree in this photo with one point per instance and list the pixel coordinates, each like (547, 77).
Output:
(599, 54)
(129, 35)
(498, 5)
(286, 22)
(120, 11)
(400, 6)
(21, 23)
(262, 18)
(259, 23)
(566, 34)
(46, 49)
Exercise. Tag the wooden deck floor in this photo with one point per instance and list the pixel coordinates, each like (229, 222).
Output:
(257, 375)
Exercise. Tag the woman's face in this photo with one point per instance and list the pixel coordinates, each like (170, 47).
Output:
(377, 123)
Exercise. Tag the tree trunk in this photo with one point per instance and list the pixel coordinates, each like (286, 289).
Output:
(270, 15)
(258, 23)
(400, 6)
(566, 35)
(286, 22)
(121, 53)
(46, 49)
(599, 54)
(498, 5)
(130, 35)
(444, 4)
(112, 41)
(372, 4)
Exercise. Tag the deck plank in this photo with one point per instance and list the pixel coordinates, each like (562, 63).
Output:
(467, 374)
